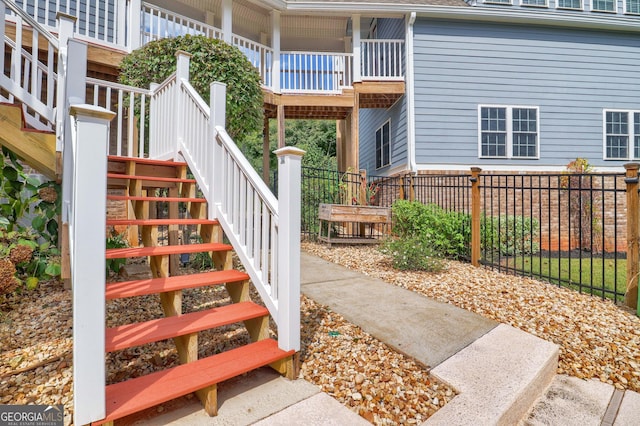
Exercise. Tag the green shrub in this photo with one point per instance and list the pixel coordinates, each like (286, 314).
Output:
(510, 235)
(413, 253)
(115, 240)
(212, 60)
(448, 233)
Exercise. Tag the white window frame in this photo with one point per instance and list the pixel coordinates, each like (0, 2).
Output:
(543, 6)
(503, 3)
(626, 9)
(509, 131)
(570, 8)
(615, 8)
(380, 129)
(631, 135)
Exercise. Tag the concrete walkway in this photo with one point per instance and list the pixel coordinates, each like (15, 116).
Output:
(500, 372)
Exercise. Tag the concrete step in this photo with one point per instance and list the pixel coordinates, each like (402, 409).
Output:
(498, 377)
(570, 401)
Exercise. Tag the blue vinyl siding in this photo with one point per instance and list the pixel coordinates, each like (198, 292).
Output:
(570, 75)
(370, 120)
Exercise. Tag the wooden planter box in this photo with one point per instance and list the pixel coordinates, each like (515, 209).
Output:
(356, 220)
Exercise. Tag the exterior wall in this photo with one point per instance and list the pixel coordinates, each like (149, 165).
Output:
(571, 75)
(371, 120)
(587, 6)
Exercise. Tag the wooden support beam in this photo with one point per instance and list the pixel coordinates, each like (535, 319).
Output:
(209, 399)
(265, 150)
(289, 367)
(281, 124)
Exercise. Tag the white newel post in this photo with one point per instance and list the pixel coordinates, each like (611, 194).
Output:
(90, 129)
(289, 199)
(134, 25)
(182, 73)
(218, 108)
(357, 49)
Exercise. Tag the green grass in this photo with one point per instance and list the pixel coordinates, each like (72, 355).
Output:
(585, 273)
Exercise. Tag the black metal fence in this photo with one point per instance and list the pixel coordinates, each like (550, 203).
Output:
(569, 229)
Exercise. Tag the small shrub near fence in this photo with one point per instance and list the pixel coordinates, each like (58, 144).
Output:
(509, 235)
(566, 228)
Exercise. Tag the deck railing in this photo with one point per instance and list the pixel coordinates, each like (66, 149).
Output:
(248, 212)
(158, 23)
(28, 78)
(315, 72)
(382, 59)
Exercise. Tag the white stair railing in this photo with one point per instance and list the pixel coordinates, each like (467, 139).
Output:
(249, 213)
(29, 80)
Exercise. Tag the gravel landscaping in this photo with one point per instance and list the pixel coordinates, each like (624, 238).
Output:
(597, 339)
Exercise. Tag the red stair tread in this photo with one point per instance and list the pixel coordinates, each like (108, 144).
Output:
(118, 253)
(150, 161)
(137, 394)
(157, 199)
(149, 178)
(160, 285)
(160, 222)
(129, 335)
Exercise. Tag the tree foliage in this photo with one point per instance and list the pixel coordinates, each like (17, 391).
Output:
(212, 60)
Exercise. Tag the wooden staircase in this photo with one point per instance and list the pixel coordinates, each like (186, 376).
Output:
(34, 147)
(141, 180)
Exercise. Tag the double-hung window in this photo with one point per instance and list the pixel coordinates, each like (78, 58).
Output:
(383, 145)
(570, 4)
(632, 7)
(508, 132)
(537, 3)
(603, 5)
(621, 135)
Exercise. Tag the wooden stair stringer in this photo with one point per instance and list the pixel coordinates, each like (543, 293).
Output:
(36, 148)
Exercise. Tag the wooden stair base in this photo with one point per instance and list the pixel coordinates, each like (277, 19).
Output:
(160, 222)
(134, 288)
(129, 335)
(137, 394)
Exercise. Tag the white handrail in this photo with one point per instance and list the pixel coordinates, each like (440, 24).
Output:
(131, 106)
(158, 23)
(243, 204)
(29, 75)
(382, 59)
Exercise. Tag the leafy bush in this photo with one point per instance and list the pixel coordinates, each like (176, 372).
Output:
(115, 240)
(28, 260)
(510, 235)
(413, 253)
(212, 60)
(447, 232)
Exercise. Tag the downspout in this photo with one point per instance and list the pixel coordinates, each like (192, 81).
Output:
(410, 90)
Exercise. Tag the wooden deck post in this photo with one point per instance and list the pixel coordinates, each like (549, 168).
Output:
(633, 255)
(475, 216)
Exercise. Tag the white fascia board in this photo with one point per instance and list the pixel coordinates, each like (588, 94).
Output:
(489, 14)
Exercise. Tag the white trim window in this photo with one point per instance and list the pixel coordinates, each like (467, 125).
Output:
(603, 5)
(383, 145)
(621, 135)
(570, 4)
(632, 7)
(508, 131)
(534, 3)
(510, 2)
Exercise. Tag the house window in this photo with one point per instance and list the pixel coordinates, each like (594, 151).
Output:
(383, 146)
(537, 3)
(508, 132)
(498, 1)
(632, 7)
(570, 4)
(603, 5)
(620, 129)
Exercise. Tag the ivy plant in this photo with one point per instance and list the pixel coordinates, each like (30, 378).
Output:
(212, 60)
